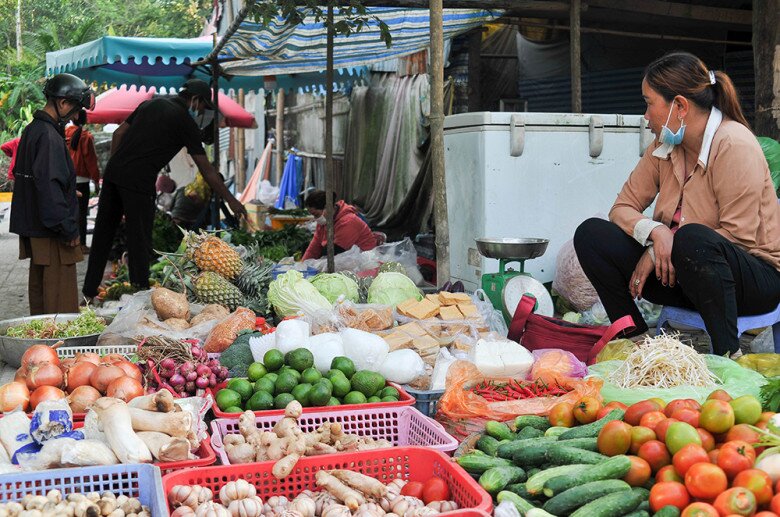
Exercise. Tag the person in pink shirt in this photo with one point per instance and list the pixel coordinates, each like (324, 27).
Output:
(9, 148)
(349, 228)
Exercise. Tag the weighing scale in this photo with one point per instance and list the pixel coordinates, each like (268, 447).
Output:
(507, 287)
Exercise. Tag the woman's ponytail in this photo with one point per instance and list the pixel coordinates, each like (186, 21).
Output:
(727, 98)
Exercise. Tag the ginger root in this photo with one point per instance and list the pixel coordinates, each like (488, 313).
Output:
(365, 484)
(352, 499)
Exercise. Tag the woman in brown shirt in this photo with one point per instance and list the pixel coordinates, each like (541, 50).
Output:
(713, 241)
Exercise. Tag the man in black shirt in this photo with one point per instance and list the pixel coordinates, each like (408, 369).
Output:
(44, 210)
(149, 138)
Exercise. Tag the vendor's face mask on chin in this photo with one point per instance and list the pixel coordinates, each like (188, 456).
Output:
(321, 220)
(667, 136)
(202, 119)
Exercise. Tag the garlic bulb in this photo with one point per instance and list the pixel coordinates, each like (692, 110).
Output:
(235, 490)
(212, 509)
(246, 507)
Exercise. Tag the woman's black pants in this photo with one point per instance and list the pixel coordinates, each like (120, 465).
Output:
(714, 277)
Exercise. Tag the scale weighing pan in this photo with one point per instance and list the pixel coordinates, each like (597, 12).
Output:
(511, 248)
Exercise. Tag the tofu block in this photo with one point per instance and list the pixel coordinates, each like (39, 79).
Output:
(434, 298)
(423, 310)
(413, 329)
(398, 340)
(450, 313)
(426, 346)
(405, 306)
(468, 309)
(453, 298)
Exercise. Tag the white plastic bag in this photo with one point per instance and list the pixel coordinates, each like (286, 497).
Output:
(325, 347)
(267, 194)
(259, 345)
(368, 351)
(493, 317)
(439, 376)
(292, 334)
(402, 366)
(502, 359)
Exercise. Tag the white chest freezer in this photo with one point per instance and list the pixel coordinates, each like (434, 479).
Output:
(532, 175)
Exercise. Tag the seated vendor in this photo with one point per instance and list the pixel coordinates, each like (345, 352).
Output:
(713, 242)
(349, 228)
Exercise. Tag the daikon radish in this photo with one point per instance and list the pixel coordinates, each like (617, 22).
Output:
(118, 427)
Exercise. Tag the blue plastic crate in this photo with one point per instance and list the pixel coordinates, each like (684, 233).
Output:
(425, 400)
(143, 482)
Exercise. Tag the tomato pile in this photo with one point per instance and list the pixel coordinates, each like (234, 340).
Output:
(433, 489)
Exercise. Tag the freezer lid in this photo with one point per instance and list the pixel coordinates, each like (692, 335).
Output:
(503, 120)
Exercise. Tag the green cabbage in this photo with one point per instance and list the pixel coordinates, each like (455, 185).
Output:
(291, 294)
(392, 288)
(333, 285)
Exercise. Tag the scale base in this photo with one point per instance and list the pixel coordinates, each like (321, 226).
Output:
(493, 284)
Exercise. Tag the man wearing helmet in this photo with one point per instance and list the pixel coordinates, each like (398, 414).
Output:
(44, 210)
(149, 138)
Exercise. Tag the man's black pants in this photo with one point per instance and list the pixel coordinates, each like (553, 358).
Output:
(138, 211)
(715, 277)
(83, 210)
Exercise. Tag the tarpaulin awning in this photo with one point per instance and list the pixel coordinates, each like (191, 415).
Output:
(278, 48)
(115, 105)
(166, 63)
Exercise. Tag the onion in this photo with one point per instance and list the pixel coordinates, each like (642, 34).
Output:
(45, 393)
(82, 398)
(176, 380)
(112, 358)
(213, 363)
(190, 387)
(67, 364)
(202, 382)
(79, 375)
(197, 351)
(104, 375)
(45, 374)
(212, 380)
(223, 373)
(13, 395)
(130, 369)
(39, 354)
(125, 388)
(190, 377)
(88, 356)
(166, 374)
(168, 364)
(186, 367)
(21, 375)
(203, 370)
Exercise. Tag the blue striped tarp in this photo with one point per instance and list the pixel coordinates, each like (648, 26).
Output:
(282, 49)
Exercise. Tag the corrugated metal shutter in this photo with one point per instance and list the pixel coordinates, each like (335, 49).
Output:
(739, 66)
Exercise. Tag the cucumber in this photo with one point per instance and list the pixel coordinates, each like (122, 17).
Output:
(531, 456)
(496, 479)
(488, 445)
(528, 432)
(637, 513)
(568, 501)
(538, 512)
(644, 505)
(668, 511)
(521, 490)
(535, 483)
(507, 450)
(533, 472)
(538, 422)
(556, 431)
(479, 463)
(560, 454)
(521, 504)
(592, 430)
(614, 468)
(588, 444)
(618, 503)
(498, 430)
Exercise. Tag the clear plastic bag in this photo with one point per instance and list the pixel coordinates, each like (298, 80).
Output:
(361, 316)
(493, 317)
(552, 366)
(767, 365)
(225, 332)
(615, 350)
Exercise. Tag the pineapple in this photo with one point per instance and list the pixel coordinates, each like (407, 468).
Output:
(210, 287)
(253, 282)
(211, 253)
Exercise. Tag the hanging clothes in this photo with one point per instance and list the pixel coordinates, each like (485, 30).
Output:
(291, 183)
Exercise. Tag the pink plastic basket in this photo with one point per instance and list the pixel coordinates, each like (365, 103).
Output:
(403, 426)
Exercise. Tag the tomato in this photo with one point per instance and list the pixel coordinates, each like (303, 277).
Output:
(687, 456)
(743, 432)
(663, 427)
(413, 488)
(652, 419)
(435, 489)
(668, 493)
(609, 407)
(714, 454)
(674, 405)
(774, 504)
(693, 404)
(735, 457)
(717, 416)
(585, 410)
(738, 501)
(687, 415)
(639, 474)
(705, 481)
(700, 510)
(747, 409)
(561, 415)
(640, 435)
(655, 453)
(707, 440)
(766, 514)
(758, 482)
(614, 438)
(660, 402)
(634, 412)
(667, 473)
(680, 434)
(765, 417)
(719, 395)
(777, 488)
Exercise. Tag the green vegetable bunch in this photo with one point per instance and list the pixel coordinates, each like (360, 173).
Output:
(87, 323)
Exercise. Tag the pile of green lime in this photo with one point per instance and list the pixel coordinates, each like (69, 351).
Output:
(282, 378)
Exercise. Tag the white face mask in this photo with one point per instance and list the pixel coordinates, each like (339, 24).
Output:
(321, 220)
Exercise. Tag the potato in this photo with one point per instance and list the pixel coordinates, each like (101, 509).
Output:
(177, 323)
(170, 304)
(219, 311)
(202, 318)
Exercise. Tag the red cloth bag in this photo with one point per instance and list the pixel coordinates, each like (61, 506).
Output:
(584, 341)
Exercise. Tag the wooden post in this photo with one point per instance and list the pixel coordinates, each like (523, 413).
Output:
(436, 73)
(475, 52)
(574, 46)
(279, 135)
(240, 151)
(766, 65)
(329, 141)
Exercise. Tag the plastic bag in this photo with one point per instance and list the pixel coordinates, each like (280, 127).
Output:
(402, 252)
(552, 366)
(771, 150)
(615, 350)
(734, 379)
(458, 403)
(492, 317)
(767, 365)
(291, 334)
(402, 366)
(361, 316)
(267, 194)
(197, 407)
(443, 362)
(51, 419)
(570, 281)
(223, 334)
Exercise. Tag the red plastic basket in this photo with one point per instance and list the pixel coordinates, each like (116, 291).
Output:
(404, 399)
(409, 463)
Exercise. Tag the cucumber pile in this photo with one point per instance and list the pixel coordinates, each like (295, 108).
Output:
(553, 471)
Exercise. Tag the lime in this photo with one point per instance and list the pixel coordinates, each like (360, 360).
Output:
(227, 398)
(256, 371)
(320, 394)
(390, 392)
(299, 359)
(282, 399)
(260, 401)
(354, 397)
(271, 376)
(285, 383)
(326, 382)
(373, 400)
(341, 386)
(333, 373)
(311, 375)
(344, 364)
(389, 399)
(265, 384)
(288, 370)
(233, 409)
(301, 393)
(241, 386)
(367, 382)
(273, 360)
(333, 402)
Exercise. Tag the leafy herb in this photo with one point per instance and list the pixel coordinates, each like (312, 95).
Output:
(86, 324)
(770, 394)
